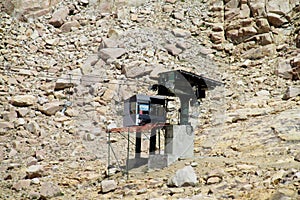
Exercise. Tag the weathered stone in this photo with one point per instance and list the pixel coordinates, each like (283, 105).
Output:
(231, 13)
(245, 11)
(184, 177)
(177, 32)
(213, 180)
(291, 92)
(12, 153)
(108, 95)
(108, 43)
(30, 7)
(276, 19)
(257, 8)
(265, 39)
(59, 16)
(179, 15)
(22, 112)
(263, 93)
(233, 35)
(297, 158)
(49, 190)
(9, 116)
(52, 42)
(6, 125)
(279, 6)
(232, 4)
(34, 171)
(136, 69)
(167, 8)
(262, 25)
(33, 127)
(246, 32)
(71, 112)
(23, 100)
(51, 108)
(89, 63)
(217, 37)
(21, 185)
(260, 52)
(108, 186)
(111, 53)
(284, 69)
(67, 26)
(172, 49)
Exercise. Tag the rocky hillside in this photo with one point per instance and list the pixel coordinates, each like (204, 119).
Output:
(67, 66)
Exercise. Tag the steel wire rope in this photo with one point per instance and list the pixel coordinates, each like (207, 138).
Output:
(85, 81)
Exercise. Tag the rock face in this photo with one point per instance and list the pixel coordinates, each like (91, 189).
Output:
(67, 66)
(248, 20)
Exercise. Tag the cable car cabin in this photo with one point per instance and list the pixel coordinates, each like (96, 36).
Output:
(142, 109)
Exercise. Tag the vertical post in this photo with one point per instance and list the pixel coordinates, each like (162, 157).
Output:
(158, 141)
(152, 141)
(184, 114)
(127, 160)
(138, 144)
(108, 154)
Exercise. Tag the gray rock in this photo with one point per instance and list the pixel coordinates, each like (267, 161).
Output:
(33, 127)
(108, 43)
(89, 63)
(108, 186)
(173, 49)
(177, 32)
(136, 69)
(284, 69)
(111, 53)
(23, 100)
(184, 177)
(291, 92)
(34, 171)
(9, 116)
(49, 190)
(263, 93)
(67, 27)
(22, 112)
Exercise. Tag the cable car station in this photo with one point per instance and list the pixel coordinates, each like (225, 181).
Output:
(143, 113)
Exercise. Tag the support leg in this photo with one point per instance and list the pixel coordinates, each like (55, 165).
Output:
(138, 144)
(152, 141)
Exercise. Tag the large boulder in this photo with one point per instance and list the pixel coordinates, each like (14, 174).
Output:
(111, 53)
(59, 16)
(23, 100)
(29, 7)
(108, 186)
(184, 177)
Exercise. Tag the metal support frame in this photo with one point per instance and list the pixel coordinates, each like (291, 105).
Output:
(138, 130)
